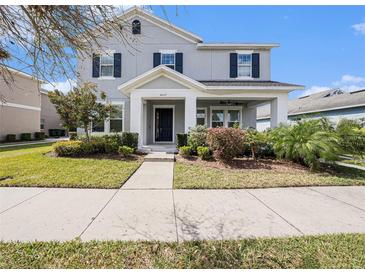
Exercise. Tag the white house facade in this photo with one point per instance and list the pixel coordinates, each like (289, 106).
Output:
(167, 80)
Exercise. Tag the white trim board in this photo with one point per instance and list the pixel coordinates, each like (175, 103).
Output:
(20, 106)
(154, 124)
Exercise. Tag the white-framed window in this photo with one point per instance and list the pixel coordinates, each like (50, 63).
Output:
(225, 116)
(98, 127)
(201, 116)
(168, 59)
(244, 65)
(42, 123)
(116, 121)
(107, 65)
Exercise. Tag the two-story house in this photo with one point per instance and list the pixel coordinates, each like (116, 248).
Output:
(167, 80)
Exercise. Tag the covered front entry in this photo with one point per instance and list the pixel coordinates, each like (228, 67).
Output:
(163, 124)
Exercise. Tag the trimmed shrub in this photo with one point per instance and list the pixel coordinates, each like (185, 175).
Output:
(197, 137)
(226, 143)
(68, 148)
(204, 153)
(56, 133)
(130, 139)
(351, 137)
(181, 140)
(10, 138)
(257, 142)
(125, 151)
(39, 135)
(185, 151)
(25, 136)
(72, 135)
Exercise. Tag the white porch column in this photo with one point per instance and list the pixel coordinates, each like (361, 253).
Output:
(249, 117)
(279, 110)
(136, 116)
(190, 112)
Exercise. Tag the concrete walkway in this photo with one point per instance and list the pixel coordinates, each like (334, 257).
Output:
(28, 214)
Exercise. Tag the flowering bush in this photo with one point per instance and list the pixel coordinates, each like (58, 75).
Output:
(226, 143)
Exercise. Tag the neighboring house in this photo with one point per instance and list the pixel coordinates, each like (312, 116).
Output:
(334, 104)
(20, 109)
(49, 116)
(167, 80)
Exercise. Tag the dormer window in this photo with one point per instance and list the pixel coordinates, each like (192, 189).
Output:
(244, 65)
(136, 27)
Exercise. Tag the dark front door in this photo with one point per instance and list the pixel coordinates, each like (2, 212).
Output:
(163, 124)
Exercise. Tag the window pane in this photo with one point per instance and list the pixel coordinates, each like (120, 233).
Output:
(116, 125)
(244, 71)
(217, 124)
(98, 127)
(218, 116)
(106, 70)
(106, 60)
(200, 121)
(168, 59)
(119, 113)
(200, 117)
(233, 115)
(244, 59)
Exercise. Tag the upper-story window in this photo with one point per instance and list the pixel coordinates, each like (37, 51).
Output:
(168, 59)
(136, 27)
(106, 65)
(244, 65)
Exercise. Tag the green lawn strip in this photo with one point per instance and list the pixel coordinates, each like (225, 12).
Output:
(192, 176)
(26, 149)
(326, 251)
(29, 167)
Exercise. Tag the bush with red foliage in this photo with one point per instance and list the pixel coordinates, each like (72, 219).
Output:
(226, 143)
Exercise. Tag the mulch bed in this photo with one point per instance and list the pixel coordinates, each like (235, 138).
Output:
(103, 156)
(245, 163)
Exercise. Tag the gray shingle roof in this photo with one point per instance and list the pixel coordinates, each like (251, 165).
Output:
(321, 101)
(238, 83)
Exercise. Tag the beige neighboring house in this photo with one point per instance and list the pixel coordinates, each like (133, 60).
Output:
(49, 116)
(20, 107)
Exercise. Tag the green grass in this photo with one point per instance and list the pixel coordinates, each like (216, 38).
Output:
(327, 251)
(195, 176)
(28, 166)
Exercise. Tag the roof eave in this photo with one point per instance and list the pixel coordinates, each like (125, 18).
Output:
(237, 46)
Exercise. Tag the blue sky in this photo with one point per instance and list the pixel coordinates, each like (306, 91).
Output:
(320, 46)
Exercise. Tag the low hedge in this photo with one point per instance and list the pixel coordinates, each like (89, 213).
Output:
(185, 151)
(125, 151)
(69, 148)
(39, 135)
(181, 140)
(26, 136)
(204, 153)
(10, 137)
(130, 139)
(72, 135)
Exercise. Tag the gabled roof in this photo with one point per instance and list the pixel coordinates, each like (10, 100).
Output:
(236, 46)
(207, 86)
(318, 102)
(137, 11)
(21, 73)
(156, 72)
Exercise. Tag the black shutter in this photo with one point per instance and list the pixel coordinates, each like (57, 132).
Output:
(96, 65)
(255, 65)
(156, 59)
(179, 62)
(117, 65)
(233, 65)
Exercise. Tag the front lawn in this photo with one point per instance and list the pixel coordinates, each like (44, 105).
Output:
(29, 166)
(327, 251)
(198, 174)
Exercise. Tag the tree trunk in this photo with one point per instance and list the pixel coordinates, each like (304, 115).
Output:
(86, 128)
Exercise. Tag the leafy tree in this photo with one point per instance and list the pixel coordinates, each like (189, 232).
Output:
(80, 107)
(255, 139)
(306, 142)
(352, 137)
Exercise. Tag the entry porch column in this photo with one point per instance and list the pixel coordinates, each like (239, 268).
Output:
(136, 116)
(190, 112)
(279, 110)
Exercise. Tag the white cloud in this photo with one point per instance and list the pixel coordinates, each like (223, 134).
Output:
(359, 28)
(65, 86)
(347, 83)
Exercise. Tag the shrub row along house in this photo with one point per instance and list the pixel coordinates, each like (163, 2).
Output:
(167, 80)
(333, 104)
(25, 107)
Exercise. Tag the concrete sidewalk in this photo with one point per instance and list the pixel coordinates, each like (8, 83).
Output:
(28, 214)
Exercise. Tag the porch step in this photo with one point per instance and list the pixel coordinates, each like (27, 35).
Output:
(159, 157)
(158, 148)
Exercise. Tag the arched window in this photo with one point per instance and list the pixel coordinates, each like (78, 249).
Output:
(136, 27)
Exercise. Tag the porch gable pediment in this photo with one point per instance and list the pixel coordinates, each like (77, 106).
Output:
(162, 82)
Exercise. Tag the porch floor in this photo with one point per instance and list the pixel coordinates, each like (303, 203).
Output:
(168, 148)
